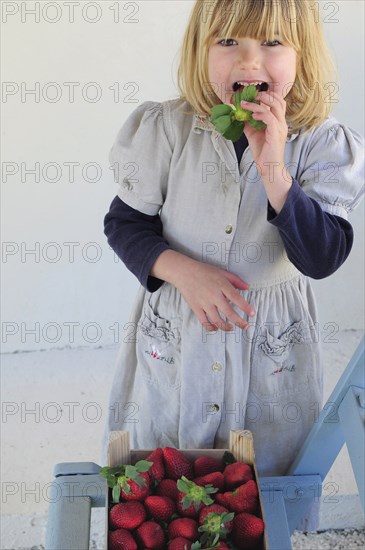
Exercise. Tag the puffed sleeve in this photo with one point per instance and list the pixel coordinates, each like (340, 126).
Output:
(140, 158)
(334, 168)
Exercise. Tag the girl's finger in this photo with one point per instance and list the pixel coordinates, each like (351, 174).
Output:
(241, 303)
(233, 316)
(215, 319)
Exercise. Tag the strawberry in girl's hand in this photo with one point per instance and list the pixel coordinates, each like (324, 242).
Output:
(150, 535)
(216, 479)
(160, 508)
(130, 482)
(176, 464)
(157, 470)
(127, 515)
(121, 539)
(236, 474)
(180, 543)
(193, 497)
(247, 531)
(243, 499)
(168, 488)
(183, 527)
(204, 465)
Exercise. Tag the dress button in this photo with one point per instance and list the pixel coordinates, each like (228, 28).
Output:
(214, 407)
(217, 367)
(229, 229)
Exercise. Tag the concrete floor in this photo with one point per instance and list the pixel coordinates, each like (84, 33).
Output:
(54, 407)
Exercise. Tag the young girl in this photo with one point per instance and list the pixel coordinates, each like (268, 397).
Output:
(224, 236)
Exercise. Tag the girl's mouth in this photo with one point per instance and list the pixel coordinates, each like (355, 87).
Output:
(260, 86)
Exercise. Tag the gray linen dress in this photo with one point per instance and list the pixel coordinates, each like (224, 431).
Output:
(175, 384)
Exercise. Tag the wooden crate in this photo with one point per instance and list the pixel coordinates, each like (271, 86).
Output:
(240, 445)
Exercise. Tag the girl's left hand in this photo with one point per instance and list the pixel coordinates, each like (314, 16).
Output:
(267, 145)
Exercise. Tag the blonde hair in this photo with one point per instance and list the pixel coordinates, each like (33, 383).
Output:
(296, 21)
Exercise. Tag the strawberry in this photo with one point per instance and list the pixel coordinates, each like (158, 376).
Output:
(247, 531)
(150, 536)
(136, 490)
(183, 527)
(157, 470)
(180, 543)
(176, 465)
(168, 488)
(121, 539)
(160, 508)
(206, 465)
(215, 478)
(236, 474)
(216, 508)
(243, 499)
(130, 482)
(192, 497)
(127, 515)
(215, 524)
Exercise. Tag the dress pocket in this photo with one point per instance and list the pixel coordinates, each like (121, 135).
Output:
(159, 347)
(283, 364)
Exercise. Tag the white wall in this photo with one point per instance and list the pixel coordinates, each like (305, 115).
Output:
(80, 294)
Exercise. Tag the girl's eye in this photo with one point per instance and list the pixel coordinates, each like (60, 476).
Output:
(272, 43)
(225, 40)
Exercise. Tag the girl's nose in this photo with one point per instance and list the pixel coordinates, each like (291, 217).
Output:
(248, 56)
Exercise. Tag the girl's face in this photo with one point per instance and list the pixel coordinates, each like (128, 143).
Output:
(248, 60)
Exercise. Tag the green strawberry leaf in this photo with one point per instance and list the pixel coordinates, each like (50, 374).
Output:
(234, 132)
(249, 93)
(257, 124)
(143, 466)
(220, 110)
(223, 123)
(183, 484)
(116, 493)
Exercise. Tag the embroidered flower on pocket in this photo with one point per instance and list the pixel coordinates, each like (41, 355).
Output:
(278, 348)
(159, 329)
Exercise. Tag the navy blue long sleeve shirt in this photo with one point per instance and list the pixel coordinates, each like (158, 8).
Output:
(316, 242)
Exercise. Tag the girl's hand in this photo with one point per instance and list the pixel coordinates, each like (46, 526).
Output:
(209, 290)
(268, 145)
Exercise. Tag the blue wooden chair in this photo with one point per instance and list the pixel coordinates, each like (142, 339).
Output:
(78, 487)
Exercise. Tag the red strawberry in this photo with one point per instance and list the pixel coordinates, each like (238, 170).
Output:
(136, 490)
(157, 470)
(121, 539)
(176, 464)
(180, 543)
(236, 474)
(215, 523)
(247, 531)
(127, 515)
(206, 465)
(243, 499)
(183, 527)
(192, 497)
(132, 482)
(215, 478)
(216, 508)
(160, 508)
(168, 488)
(150, 536)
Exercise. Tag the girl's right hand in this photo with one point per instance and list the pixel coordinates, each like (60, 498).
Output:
(208, 290)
